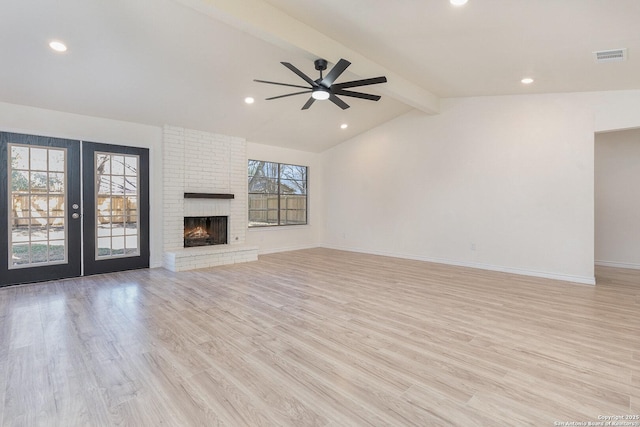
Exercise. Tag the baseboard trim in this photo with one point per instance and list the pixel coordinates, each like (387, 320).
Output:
(615, 264)
(285, 249)
(585, 280)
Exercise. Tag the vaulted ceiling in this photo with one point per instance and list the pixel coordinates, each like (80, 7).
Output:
(192, 62)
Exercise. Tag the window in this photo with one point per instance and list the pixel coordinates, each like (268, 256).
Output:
(38, 228)
(277, 194)
(117, 225)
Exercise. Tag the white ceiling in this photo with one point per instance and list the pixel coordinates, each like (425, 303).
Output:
(192, 62)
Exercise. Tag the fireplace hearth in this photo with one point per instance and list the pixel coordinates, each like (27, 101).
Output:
(205, 231)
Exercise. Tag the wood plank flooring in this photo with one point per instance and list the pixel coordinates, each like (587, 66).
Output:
(320, 338)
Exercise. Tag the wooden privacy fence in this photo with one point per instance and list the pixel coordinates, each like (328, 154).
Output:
(43, 209)
(263, 208)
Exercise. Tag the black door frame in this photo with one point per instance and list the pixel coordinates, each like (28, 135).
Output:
(73, 267)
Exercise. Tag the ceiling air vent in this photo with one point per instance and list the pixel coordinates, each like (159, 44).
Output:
(614, 55)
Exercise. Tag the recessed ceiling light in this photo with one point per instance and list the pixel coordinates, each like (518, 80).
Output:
(249, 100)
(458, 2)
(527, 80)
(344, 126)
(58, 46)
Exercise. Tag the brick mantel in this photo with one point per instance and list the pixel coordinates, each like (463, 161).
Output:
(202, 162)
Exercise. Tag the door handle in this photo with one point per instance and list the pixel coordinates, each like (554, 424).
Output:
(75, 215)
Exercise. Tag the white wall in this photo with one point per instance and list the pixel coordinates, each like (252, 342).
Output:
(37, 121)
(614, 110)
(617, 198)
(277, 239)
(503, 183)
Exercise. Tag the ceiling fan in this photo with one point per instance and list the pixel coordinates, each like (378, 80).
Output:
(325, 88)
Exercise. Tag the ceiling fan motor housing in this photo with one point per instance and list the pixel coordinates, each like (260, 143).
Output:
(321, 64)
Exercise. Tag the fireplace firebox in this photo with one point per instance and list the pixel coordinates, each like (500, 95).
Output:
(205, 231)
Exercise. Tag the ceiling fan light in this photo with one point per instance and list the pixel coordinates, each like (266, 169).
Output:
(320, 94)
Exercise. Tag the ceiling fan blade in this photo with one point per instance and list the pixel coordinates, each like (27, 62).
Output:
(281, 84)
(289, 94)
(363, 82)
(300, 74)
(339, 102)
(308, 103)
(357, 95)
(335, 72)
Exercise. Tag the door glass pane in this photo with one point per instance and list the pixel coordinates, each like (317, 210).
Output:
(38, 158)
(20, 157)
(20, 181)
(103, 164)
(117, 245)
(56, 207)
(56, 250)
(103, 247)
(20, 255)
(56, 231)
(38, 252)
(117, 165)
(117, 226)
(117, 185)
(132, 244)
(131, 185)
(56, 160)
(39, 232)
(104, 185)
(56, 182)
(36, 205)
(39, 181)
(131, 166)
(20, 234)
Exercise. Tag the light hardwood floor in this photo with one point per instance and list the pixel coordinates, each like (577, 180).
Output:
(320, 338)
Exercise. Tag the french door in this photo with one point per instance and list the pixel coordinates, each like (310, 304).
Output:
(116, 200)
(69, 208)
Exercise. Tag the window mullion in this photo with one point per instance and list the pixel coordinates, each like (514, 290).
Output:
(279, 219)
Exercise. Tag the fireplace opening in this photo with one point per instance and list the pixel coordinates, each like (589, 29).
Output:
(205, 231)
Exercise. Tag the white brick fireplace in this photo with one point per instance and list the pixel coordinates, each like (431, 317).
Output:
(202, 162)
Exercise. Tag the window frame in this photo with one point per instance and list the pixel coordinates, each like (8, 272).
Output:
(279, 221)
